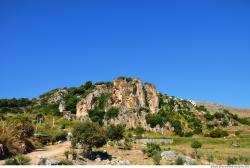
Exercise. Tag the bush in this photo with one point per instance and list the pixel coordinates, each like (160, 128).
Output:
(201, 108)
(157, 158)
(96, 115)
(231, 160)
(219, 115)
(218, 133)
(65, 162)
(70, 103)
(179, 161)
(112, 113)
(18, 160)
(224, 123)
(74, 154)
(154, 119)
(196, 144)
(209, 116)
(210, 126)
(189, 134)
(66, 154)
(139, 131)
(151, 149)
(115, 133)
(177, 127)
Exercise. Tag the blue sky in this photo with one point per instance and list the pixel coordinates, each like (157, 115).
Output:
(191, 49)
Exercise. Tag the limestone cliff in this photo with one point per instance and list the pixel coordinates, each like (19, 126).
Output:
(133, 99)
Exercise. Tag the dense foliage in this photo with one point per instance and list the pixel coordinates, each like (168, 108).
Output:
(89, 135)
(115, 132)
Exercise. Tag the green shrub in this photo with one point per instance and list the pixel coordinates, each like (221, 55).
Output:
(18, 160)
(209, 116)
(231, 160)
(196, 144)
(200, 108)
(224, 123)
(218, 133)
(210, 126)
(188, 134)
(66, 154)
(65, 162)
(96, 115)
(115, 132)
(70, 103)
(177, 127)
(74, 154)
(157, 158)
(154, 119)
(139, 130)
(219, 115)
(179, 161)
(112, 113)
(151, 149)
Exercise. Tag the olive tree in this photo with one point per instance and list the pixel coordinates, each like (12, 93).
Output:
(89, 135)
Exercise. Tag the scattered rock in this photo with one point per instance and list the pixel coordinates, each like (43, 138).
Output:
(172, 156)
(168, 155)
(119, 161)
(235, 144)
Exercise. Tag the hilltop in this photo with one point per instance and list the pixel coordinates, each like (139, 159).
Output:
(130, 102)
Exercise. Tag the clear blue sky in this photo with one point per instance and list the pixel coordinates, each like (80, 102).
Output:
(195, 49)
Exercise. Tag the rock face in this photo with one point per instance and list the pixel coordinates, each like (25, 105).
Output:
(133, 99)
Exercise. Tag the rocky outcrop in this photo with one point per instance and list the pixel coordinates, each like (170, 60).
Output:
(133, 99)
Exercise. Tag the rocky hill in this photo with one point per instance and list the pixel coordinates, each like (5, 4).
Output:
(130, 102)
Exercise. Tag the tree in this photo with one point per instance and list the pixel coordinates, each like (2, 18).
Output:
(115, 133)
(196, 145)
(89, 135)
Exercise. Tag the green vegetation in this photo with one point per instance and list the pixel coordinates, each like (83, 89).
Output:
(97, 114)
(18, 160)
(231, 160)
(115, 132)
(113, 112)
(196, 145)
(151, 149)
(179, 161)
(218, 133)
(66, 162)
(157, 158)
(89, 135)
(49, 109)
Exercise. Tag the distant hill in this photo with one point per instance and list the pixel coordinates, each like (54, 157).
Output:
(213, 107)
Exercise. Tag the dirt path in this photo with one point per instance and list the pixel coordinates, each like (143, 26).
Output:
(51, 152)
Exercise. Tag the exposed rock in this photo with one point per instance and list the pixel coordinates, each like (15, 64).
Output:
(188, 160)
(87, 103)
(61, 107)
(133, 99)
(172, 156)
(168, 155)
(152, 97)
(119, 161)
